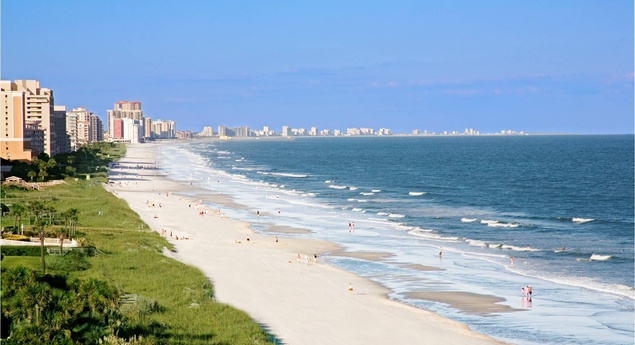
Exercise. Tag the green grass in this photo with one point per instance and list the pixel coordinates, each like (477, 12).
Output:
(31, 262)
(130, 257)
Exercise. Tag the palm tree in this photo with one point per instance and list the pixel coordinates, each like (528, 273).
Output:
(31, 174)
(18, 210)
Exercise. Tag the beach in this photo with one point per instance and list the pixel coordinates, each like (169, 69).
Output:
(280, 281)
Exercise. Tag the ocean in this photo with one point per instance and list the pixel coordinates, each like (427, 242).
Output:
(553, 212)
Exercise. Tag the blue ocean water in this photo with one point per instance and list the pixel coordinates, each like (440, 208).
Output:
(560, 206)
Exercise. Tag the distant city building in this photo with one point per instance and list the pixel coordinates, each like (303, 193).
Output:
(184, 135)
(416, 132)
(286, 131)
(222, 131)
(208, 131)
(242, 132)
(383, 131)
(147, 128)
(164, 129)
(313, 131)
(132, 131)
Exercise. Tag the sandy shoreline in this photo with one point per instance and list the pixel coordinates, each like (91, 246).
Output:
(276, 279)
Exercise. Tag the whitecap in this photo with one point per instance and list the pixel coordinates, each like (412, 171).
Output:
(468, 220)
(582, 220)
(366, 193)
(416, 193)
(597, 257)
(396, 215)
(503, 225)
(352, 188)
(376, 190)
(337, 187)
(290, 175)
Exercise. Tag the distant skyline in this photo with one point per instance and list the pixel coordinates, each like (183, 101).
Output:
(561, 66)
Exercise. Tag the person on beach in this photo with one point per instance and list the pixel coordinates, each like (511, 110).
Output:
(511, 260)
(529, 291)
(350, 227)
(276, 239)
(522, 292)
(440, 251)
(350, 287)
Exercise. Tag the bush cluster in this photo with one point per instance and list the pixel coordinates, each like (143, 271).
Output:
(20, 250)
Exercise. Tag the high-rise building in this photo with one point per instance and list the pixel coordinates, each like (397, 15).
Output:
(286, 131)
(208, 131)
(26, 105)
(242, 132)
(222, 131)
(83, 125)
(126, 110)
(71, 130)
(164, 129)
(16, 144)
(62, 142)
(147, 128)
(96, 128)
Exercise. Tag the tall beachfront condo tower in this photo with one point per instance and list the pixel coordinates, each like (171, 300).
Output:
(29, 120)
(126, 110)
(164, 129)
(83, 127)
(62, 142)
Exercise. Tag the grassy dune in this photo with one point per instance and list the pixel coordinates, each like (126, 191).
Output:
(170, 302)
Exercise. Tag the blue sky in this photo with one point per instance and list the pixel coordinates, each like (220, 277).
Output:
(538, 66)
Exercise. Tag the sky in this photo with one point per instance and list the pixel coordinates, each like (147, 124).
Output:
(538, 66)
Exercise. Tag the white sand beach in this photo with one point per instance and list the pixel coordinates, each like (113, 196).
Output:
(299, 302)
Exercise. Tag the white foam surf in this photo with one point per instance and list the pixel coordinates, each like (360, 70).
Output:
(598, 257)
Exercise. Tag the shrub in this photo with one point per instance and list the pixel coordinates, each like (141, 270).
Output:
(21, 250)
(15, 237)
(69, 262)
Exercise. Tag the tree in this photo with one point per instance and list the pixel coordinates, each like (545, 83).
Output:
(44, 309)
(71, 216)
(18, 211)
(31, 174)
(4, 208)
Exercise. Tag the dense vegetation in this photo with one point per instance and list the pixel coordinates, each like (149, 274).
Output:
(123, 291)
(88, 159)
